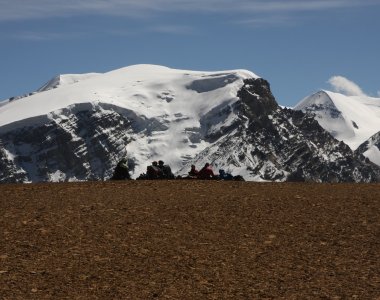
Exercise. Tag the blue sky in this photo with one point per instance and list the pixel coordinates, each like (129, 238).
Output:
(298, 46)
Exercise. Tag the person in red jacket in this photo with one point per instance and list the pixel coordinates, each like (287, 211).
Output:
(206, 172)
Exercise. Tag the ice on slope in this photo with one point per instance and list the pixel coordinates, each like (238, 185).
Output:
(177, 99)
(371, 148)
(351, 119)
(373, 154)
(56, 82)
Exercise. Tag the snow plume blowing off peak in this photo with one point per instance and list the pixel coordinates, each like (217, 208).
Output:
(345, 86)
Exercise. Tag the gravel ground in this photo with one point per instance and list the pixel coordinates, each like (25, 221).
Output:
(189, 240)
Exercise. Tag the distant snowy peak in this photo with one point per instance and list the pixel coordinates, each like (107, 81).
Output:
(351, 119)
(329, 116)
(65, 79)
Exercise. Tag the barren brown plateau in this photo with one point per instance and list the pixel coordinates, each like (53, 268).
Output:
(189, 240)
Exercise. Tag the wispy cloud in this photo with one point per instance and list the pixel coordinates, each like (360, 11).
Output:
(249, 13)
(265, 21)
(42, 36)
(38, 36)
(297, 5)
(172, 29)
(39, 9)
(345, 86)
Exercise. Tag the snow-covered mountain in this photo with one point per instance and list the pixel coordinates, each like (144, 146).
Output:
(78, 127)
(351, 119)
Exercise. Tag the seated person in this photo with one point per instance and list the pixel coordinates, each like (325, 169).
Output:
(193, 172)
(166, 171)
(225, 176)
(153, 171)
(121, 171)
(206, 172)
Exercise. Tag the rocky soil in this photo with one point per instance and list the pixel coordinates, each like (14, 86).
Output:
(189, 240)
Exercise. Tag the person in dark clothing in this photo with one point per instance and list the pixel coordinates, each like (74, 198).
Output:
(121, 171)
(193, 173)
(153, 171)
(206, 172)
(225, 176)
(166, 170)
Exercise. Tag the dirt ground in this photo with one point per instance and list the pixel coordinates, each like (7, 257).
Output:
(189, 240)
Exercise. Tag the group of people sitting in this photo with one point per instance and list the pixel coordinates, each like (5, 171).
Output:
(158, 170)
(207, 173)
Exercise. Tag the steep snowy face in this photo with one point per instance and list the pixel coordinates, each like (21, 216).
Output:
(352, 120)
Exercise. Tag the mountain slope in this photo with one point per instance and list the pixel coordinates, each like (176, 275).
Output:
(229, 118)
(371, 148)
(146, 89)
(351, 119)
(65, 79)
(56, 82)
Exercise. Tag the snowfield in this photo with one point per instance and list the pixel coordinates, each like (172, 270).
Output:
(146, 89)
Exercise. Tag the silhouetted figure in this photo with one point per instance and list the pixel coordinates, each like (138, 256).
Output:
(225, 176)
(121, 171)
(193, 173)
(166, 171)
(153, 171)
(206, 172)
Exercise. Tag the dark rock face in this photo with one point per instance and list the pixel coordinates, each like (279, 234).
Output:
(82, 145)
(9, 172)
(321, 157)
(257, 98)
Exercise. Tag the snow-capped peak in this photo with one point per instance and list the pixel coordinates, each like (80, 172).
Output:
(145, 89)
(351, 119)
